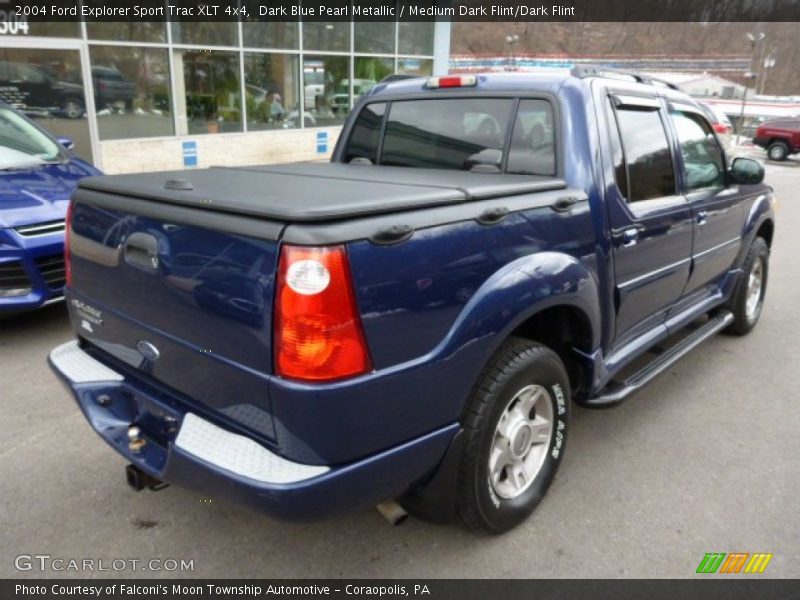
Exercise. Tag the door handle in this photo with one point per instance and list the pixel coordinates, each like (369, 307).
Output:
(702, 217)
(630, 237)
(141, 250)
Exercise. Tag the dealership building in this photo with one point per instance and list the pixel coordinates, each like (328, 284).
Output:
(137, 96)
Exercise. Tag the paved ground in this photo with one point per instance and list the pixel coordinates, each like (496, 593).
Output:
(707, 459)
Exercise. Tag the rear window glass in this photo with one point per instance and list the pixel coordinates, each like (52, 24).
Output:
(532, 149)
(453, 133)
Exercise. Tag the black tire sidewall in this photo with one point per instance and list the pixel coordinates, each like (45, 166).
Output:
(741, 324)
(500, 514)
(761, 251)
(784, 151)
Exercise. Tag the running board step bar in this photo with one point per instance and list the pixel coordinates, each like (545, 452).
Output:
(615, 395)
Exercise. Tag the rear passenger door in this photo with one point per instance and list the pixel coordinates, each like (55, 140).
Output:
(651, 222)
(718, 209)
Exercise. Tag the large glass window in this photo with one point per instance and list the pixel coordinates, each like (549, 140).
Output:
(415, 38)
(270, 34)
(65, 29)
(133, 31)
(48, 86)
(703, 164)
(215, 33)
(464, 133)
(212, 95)
(369, 71)
(415, 66)
(272, 85)
(131, 91)
(532, 149)
(374, 37)
(324, 36)
(366, 135)
(644, 141)
(326, 89)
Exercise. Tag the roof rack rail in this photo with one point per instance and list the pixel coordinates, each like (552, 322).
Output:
(584, 71)
(398, 77)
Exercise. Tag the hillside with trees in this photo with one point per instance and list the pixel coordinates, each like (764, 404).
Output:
(642, 40)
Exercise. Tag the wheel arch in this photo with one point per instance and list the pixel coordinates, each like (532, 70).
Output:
(564, 328)
(766, 230)
(549, 297)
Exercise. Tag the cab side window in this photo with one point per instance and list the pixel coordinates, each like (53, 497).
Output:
(703, 163)
(649, 171)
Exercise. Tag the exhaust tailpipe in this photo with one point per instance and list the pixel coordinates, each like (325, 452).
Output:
(392, 512)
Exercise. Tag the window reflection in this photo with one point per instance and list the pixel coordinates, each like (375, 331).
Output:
(213, 33)
(326, 90)
(131, 91)
(126, 31)
(415, 66)
(374, 37)
(48, 86)
(270, 34)
(212, 95)
(272, 86)
(323, 36)
(415, 38)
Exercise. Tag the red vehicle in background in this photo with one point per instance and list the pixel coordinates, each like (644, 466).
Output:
(779, 138)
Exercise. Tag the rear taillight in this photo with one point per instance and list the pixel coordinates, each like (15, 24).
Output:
(67, 257)
(318, 334)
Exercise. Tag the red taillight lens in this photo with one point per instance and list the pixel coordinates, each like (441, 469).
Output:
(67, 257)
(721, 128)
(318, 334)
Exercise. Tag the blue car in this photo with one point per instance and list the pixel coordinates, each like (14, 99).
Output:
(38, 174)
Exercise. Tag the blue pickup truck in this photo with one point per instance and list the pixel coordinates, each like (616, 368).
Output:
(410, 323)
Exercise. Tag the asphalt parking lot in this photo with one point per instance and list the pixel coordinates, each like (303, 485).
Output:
(706, 459)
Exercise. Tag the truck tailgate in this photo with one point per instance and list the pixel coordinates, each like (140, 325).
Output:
(188, 306)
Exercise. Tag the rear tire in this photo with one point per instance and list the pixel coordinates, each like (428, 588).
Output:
(748, 299)
(778, 151)
(515, 431)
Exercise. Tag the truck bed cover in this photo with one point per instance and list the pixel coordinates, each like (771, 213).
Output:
(316, 192)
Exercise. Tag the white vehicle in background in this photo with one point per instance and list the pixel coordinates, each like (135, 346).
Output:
(340, 102)
(314, 87)
(720, 122)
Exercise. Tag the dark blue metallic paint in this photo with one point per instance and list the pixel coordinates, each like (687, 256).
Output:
(386, 474)
(434, 310)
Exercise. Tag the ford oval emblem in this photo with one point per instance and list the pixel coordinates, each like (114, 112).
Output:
(148, 350)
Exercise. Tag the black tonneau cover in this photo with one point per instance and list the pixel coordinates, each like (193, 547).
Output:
(314, 192)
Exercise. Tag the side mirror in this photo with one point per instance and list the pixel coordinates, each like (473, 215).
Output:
(746, 171)
(66, 142)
